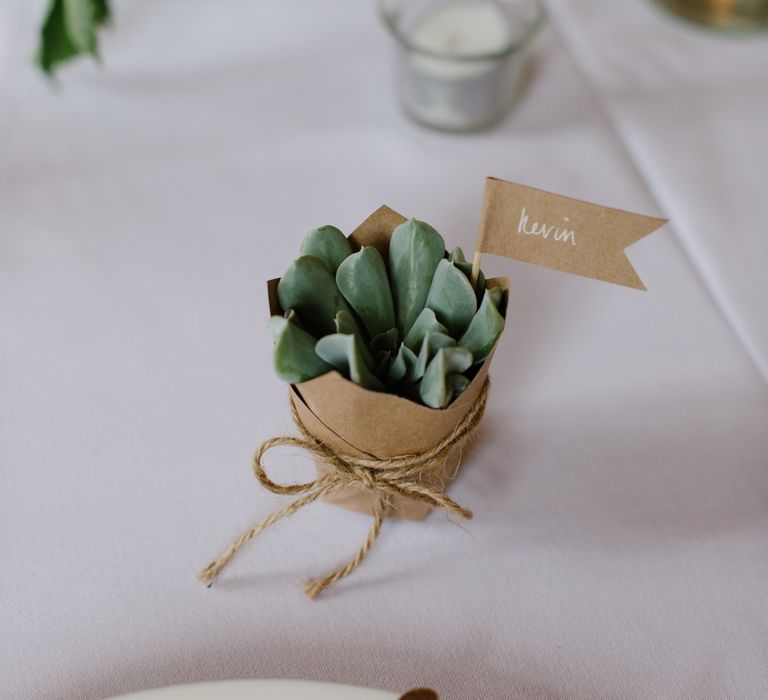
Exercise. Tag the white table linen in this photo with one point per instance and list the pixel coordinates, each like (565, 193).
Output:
(691, 108)
(619, 486)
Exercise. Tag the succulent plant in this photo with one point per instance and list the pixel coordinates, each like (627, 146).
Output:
(413, 326)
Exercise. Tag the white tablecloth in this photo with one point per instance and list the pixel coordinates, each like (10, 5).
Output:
(620, 484)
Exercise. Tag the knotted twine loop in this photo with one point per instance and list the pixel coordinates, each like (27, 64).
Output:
(399, 476)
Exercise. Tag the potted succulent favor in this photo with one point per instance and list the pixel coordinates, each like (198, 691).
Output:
(385, 340)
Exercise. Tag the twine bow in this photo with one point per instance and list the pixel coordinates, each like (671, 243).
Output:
(386, 477)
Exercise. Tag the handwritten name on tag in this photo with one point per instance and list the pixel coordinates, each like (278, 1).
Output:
(537, 229)
(561, 233)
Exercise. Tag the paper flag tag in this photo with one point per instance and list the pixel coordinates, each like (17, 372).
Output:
(561, 233)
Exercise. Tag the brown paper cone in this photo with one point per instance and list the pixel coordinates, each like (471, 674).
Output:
(365, 423)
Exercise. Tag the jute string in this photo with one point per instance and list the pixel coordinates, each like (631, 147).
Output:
(399, 476)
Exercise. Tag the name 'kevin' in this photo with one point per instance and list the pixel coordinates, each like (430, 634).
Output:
(541, 229)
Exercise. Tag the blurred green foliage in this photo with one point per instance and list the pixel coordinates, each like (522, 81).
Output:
(70, 30)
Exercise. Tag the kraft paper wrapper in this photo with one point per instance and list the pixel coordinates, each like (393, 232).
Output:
(356, 421)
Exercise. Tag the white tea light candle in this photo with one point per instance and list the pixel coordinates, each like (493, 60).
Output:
(462, 29)
(460, 59)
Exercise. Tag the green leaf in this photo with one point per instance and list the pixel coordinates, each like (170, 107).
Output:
(346, 323)
(362, 279)
(496, 294)
(346, 354)
(381, 362)
(415, 249)
(365, 354)
(451, 297)
(101, 12)
(309, 288)
(438, 385)
(484, 329)
(426, 321)
(294, 354)
(457, 258)
(80, 23)
(328, 244)
(292, 317)
(385, 341)
(55, 44)
(69, 30)
(401, 371)
(459, 384)
(432, 342)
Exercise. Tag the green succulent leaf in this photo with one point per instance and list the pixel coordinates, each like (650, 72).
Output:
(426, 322)
(401, 371)
(346, 354)
(381, 362)
(308, 287)
(496, 294)
(459, 384)
(432, 342)
(386, 341)
(415, 249)
(328, 244)
(451, 297)
(362, 279)
(337, 345)
(294, 354)
(292, 317)
(346, 323)
(438, 384)
(484, 329)
(457, 258)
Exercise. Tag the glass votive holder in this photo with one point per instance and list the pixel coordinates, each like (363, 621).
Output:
(460, 62)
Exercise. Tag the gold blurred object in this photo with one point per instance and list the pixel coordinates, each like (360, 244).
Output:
(722, 14)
